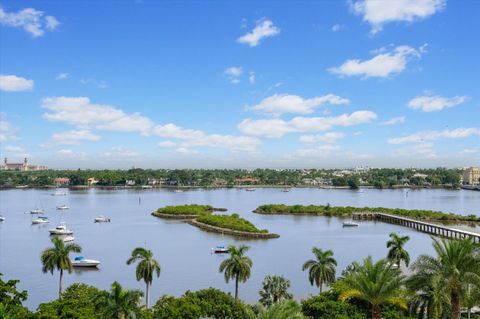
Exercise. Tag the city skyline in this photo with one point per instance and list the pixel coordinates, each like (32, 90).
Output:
(175, 85)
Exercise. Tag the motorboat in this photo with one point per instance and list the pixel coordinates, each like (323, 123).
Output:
(101, 219)
(62, 207)
(147, 186)
(81, 261)
(58, 193)
(61, 229)
(2, 219)
(220, 250)
(67, 239)
(37, 211)
(178, 191)
(40, 220)
(350, 224)
(250, 189)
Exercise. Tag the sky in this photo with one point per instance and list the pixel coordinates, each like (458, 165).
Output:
(240, 84)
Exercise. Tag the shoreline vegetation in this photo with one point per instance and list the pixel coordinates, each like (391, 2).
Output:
(201, 216)
(347, 211)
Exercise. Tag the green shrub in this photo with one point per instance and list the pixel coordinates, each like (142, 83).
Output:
(233, 222)
(191, 209)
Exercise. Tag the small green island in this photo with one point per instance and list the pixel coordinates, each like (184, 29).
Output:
(347, 211)
(201, 216)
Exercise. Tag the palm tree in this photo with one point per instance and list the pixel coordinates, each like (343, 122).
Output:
(284, 310)
(237, 267)
(376, 283)
(430, 299)
(396, 252)
(146, 268)
(322, 269)
(275, 289)
(118, 303)
(470, 298)
(457, 263)
(57, 258)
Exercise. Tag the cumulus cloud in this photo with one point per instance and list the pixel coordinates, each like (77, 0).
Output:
(79, 111)
(62, 76)
(251, 77)
(13, 149)
(337, 27)
(167, 143)
(7, 131)
(329, 137)
(13, 83)
(275, 128)
(435, 103)
(119, 154)
(263, 29)
(233, 74)
(30, 20)
(288, 103)
(383, 65)
(378, 13)
(421, 150)
(394, 121)
(421, 137)
(74, 137)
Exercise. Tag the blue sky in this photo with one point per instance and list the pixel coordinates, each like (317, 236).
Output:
(240, 83)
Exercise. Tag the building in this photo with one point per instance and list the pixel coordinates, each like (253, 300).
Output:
(61, 181)
(21, 166)
(471, 176)
(91, 181)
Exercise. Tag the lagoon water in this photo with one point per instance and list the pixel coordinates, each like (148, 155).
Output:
(184, 251)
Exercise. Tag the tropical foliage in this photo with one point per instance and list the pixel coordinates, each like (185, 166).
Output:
(397, 252)
(233, 221)
(191, 209)
(118, 303)
(321, 270)
(147, 267)
(274, 289)
(237, 266)
(284, 310)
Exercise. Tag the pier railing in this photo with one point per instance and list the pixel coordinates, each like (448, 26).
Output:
(420, 225)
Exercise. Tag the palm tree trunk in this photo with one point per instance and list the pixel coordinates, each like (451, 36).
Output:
(321, 284)
(376, 313)
(146, 295)
(236, 287)
(60, 285)
(455, 302)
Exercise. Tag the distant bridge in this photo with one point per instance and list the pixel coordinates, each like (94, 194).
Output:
(429, 228)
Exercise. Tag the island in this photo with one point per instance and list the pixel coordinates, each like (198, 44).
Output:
(190, 211)
(348, 211)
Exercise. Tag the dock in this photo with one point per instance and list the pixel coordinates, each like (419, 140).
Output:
(422, 226)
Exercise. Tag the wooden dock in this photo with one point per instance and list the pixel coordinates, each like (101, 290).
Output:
(422, 226)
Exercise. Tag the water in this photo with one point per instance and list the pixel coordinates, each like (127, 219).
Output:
(184, 251)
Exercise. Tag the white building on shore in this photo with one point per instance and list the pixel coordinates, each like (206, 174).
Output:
(6, 166)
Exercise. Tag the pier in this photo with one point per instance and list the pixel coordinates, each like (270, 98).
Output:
(422, 226)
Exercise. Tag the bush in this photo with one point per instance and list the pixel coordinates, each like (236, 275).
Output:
(233, 222)
(192, 209)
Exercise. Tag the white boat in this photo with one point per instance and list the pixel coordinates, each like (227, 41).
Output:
(62, 207)
(220, 250)
(350, 224)
(58, 193)
(286, 190)
(67, 239)
(81, 261)
(250, 189)
(37, 211)
(2, 219)
(101, 219)
(61, 230)
(147, 186)
(40, 220)
(178, 191)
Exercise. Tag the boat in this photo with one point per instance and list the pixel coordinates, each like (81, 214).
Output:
(81, 261)
(37, 211)
(147, 186)
(350, 224)
(58, 193)
(178, 191)
(250, 189)
(220, 250)
(101, 219)
(286, 190)
(67, 239)
(62, 207)
(2, 219)
(61, 230)
(40, 220)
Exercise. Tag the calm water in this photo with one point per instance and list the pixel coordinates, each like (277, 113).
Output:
(184, 251)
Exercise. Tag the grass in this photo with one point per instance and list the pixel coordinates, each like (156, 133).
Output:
(233, 222)
(346, 211)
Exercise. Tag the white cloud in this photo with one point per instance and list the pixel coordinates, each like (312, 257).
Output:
(377, 13)
(119, 154)
(13, 149)
(319, 151)
(31, 20)
(65, 152)
(337, 27)
(7, 131)
(394, 121)
(329, 137)
(428, 103)
(421, 137)
(251, 77)
(274, 128)
(263, 29)
(13, 83)
(74, 137)
(98, 84)
(62, 76)
(383, 65)
(186, 151)
(167, 143)
(421, 150)
(287, 103)
(233, 74)
(79, 111)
